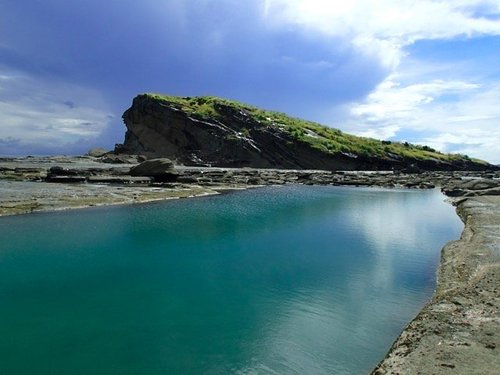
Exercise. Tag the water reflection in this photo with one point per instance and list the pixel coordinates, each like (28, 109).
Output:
(293, 280)
(403, 232)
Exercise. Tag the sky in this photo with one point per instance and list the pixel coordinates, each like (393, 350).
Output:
(426, 72)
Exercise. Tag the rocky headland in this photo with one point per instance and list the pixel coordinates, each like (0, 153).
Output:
(210, 131)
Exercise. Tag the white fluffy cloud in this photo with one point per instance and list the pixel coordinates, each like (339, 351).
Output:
(394, 102)
(452, 116)
(36, 114)
(383, 27)
(400, 22)
(446, 106)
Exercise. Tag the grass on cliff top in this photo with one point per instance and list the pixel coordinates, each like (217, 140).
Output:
(327, 139)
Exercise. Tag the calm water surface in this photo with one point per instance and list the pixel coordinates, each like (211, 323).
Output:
(279, 280)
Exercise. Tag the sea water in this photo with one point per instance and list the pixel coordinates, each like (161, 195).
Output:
(275, 280)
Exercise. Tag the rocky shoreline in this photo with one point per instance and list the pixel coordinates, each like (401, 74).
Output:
(455, 333)
(35, 184)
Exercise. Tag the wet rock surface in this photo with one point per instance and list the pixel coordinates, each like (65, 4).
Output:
(35, 184)
(92, 169)
(474, 187)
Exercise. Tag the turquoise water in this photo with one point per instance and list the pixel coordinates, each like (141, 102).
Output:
(278, 280)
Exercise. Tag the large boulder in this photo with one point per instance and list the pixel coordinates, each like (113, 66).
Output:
(161, 169)
(97, 152)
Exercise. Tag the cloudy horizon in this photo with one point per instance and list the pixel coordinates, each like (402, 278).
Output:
(424, 71)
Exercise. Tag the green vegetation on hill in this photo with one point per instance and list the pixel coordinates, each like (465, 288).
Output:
(318, 136)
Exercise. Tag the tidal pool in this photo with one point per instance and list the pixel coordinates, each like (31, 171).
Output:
(275, 280)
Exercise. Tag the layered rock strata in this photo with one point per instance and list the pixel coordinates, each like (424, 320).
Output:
(228, 135)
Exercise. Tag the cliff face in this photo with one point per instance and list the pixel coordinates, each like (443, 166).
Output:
(217, 132)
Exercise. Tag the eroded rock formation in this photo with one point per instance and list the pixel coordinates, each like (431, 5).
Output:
(228, 135)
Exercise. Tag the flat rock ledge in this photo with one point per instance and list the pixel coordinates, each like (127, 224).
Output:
(457, 332)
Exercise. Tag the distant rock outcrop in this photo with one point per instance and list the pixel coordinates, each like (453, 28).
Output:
(216, 132)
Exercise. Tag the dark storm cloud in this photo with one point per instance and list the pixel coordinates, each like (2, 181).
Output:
(223, 48)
